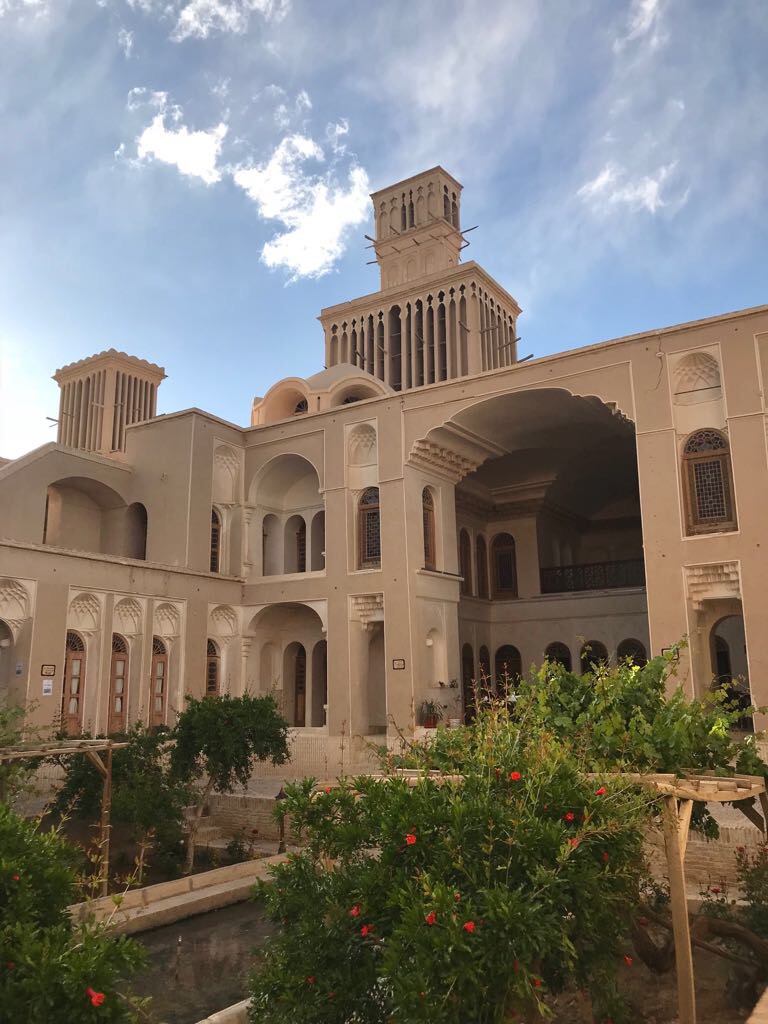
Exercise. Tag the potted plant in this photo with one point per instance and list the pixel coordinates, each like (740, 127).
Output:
(431, 713)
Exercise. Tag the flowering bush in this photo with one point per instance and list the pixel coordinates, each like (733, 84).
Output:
(51, 970)
(511, 874)
(454, 902)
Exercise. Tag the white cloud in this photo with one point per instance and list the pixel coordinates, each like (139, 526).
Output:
(613, 186)
(125, 41)
(643, 23)
(194, 153)
(37, 8)
(285, 113)
(200, 18)
(315, 209)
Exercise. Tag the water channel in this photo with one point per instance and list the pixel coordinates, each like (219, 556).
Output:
(201, 965)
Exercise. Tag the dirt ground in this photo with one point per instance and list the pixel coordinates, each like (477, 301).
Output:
(654, 996)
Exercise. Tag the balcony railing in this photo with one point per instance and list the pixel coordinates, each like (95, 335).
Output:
(563, 579)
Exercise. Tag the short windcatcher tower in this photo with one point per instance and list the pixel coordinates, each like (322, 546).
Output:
(101, 396)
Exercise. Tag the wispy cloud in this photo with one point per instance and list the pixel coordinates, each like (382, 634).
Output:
(193, 153)
(316, 209)
(643, 23)
(199, 19)
(315, 191)
(613, 186)
(125, 40)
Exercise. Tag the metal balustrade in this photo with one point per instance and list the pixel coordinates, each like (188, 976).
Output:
(563, 579)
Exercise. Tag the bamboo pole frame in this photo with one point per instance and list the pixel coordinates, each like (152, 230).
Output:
(91, 749)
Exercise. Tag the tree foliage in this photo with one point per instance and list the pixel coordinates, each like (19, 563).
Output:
(219, 740)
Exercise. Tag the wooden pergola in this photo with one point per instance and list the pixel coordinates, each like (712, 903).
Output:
(93, 750)
(678, 793)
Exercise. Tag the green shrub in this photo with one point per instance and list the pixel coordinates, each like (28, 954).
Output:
(37, 878)
(48, 965)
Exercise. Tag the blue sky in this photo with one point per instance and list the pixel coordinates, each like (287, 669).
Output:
(187, 180)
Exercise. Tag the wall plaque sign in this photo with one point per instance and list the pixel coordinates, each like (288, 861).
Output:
(398, 663)
(47, 670)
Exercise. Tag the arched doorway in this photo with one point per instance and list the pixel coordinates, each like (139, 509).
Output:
(73, 690)
(295, 684)
(159, 681)
(319, 683)
(118, 685)
(509, 668)
(559, 654)
(468, 681)
(730, 667)
(592, 655)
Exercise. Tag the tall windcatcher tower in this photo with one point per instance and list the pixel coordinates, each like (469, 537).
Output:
(434, 318)
(102, 395)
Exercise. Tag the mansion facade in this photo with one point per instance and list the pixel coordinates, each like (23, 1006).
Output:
(426, 511)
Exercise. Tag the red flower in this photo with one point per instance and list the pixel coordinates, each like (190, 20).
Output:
(715, 889)
(628, 960)
(431, 917)
(97, 998)
(606, 856)
(515, 776)
(16, 878)
(355, 911)
(422, 995)
(469, 926)
(410, 839)
(741, 849)
(574, 842)
(311, 979)
(366, 929)
(600, 791)
(327, 789)
(457, 896)
(537, 982)
(569, 816)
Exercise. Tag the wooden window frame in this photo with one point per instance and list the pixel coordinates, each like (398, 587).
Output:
(465, 563)
(428, 523)
(212, 665)
(216, 538)
(496, 550)
(366, 511)
(695, 524)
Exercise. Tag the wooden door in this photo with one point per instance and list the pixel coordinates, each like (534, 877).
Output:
(118, 686)
(74, 686)
(300, 689)
(159, 683)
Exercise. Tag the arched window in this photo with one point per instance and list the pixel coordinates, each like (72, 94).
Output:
(212, 670)
(118, 685)
(509, 668)
(215, 540)
(559, 653)
(708, 483)
(302, 406)
(159, 681)
(465, 562)
(633, 650)
(74, 685)
(369, 530)
(481, 556)
(592, 654)
(300, 688)
(428, 517)
(504, 566)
